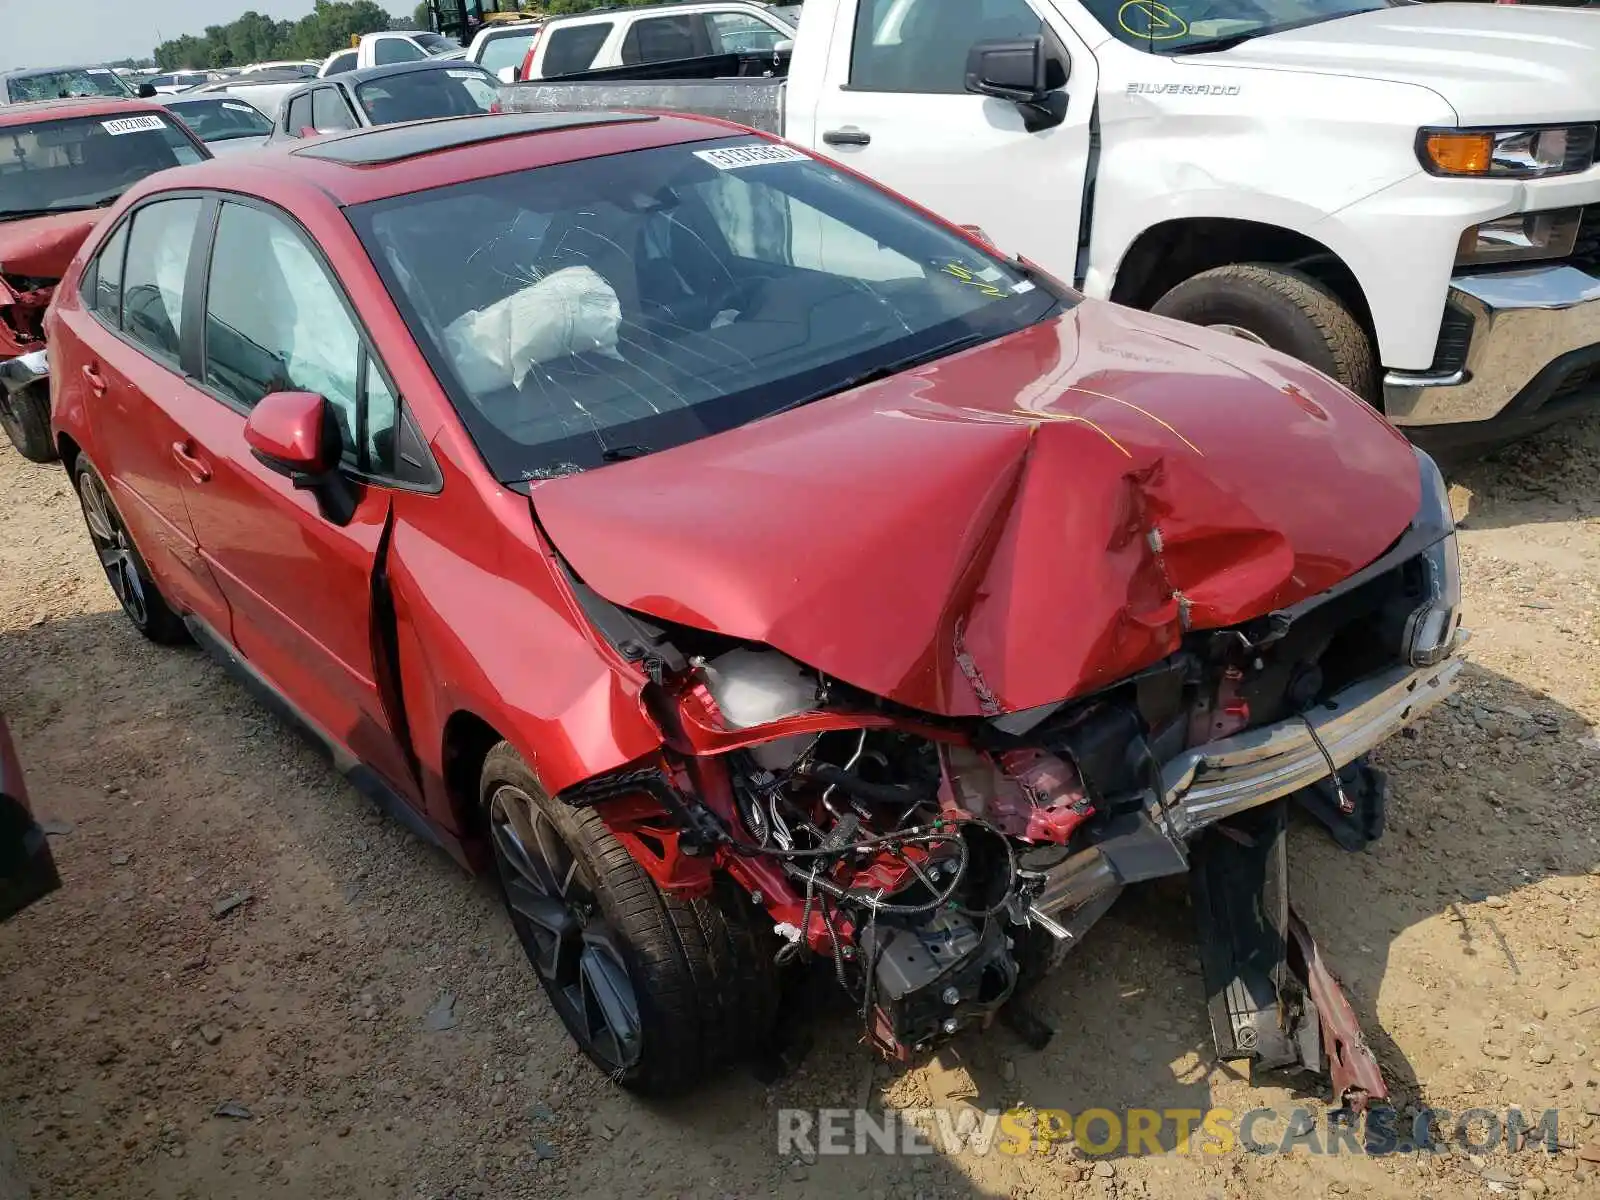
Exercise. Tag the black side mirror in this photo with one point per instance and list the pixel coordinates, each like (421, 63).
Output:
(1024, 71)
(146, 90)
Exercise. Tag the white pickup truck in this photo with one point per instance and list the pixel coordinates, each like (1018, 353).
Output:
(1404, 196)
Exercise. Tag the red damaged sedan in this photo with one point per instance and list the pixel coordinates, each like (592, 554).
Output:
(64, 162)
(754, 569)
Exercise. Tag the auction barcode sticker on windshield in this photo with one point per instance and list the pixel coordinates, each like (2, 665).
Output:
(756, 154)
(124, 125)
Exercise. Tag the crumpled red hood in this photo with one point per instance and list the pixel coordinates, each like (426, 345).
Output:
(43, 246)
(1007, 527)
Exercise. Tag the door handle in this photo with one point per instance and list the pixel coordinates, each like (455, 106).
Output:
(198, 469)
(96, 381)
(848, 136)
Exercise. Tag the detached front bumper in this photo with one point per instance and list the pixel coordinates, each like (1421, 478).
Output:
(1228, 776)
(1232, 774)
(1520, 350)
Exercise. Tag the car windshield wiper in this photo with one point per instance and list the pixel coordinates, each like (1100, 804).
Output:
(884, 370)
(18, 214)
(613, 454)
(1217, 44)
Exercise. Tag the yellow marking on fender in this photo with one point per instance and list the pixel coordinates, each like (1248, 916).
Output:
(1143, 412)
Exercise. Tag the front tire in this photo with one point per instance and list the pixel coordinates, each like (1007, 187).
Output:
(1285, 310)
(25, 416)
(141, 600)
(659, 991)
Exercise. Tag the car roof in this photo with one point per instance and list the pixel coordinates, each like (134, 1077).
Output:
(28, 72)
(367, 74)
(442, 152)
(664, 7)
(197, 97)
(500, 29)
(412, 139)
(258, 79)
(26, 111)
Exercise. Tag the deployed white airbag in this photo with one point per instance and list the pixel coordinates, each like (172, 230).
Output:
(573, 311)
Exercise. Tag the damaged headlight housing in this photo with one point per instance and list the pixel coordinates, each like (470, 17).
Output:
(1430, 633)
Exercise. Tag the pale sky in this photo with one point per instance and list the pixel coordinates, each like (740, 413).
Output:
(47, 33)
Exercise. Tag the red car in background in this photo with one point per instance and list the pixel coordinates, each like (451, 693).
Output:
(750, 565)
(62, 164)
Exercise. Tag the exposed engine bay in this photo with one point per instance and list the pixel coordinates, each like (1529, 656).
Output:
(939, 866)
(23, 300)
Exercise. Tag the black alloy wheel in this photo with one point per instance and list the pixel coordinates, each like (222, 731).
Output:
(574, 950)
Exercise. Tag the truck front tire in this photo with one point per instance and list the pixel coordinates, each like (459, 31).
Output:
(1283, 309)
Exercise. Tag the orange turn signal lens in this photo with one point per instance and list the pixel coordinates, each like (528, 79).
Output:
(1456, 153)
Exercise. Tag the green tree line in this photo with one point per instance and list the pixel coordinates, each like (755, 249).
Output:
(254, 37)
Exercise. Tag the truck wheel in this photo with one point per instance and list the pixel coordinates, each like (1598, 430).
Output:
(141, 600)
(26, 417)
(657, 990)
(1283, 309)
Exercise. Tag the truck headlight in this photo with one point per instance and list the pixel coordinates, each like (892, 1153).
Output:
(1507, 153)
(1521, 237)
(1430, 633)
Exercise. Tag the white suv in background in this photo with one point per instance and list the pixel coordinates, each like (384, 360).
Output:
(626, 36)
(502, 47)
(384, 49)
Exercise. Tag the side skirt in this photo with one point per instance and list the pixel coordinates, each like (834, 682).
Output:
(362, 777)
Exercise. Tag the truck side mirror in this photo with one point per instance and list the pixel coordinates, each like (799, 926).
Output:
(146, 90)
(1023, 71)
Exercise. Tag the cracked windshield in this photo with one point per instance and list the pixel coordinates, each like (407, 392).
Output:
(599, 310)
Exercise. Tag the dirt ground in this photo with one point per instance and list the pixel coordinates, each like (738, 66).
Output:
(132, 1008)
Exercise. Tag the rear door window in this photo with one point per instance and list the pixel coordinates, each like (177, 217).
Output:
(298, 116)
(344, 61)
(153, 279)
(740, 33)
(106, 296)
(329, 112)
(396, 50)
(663, 39)
(506, 52)
(573, 48)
